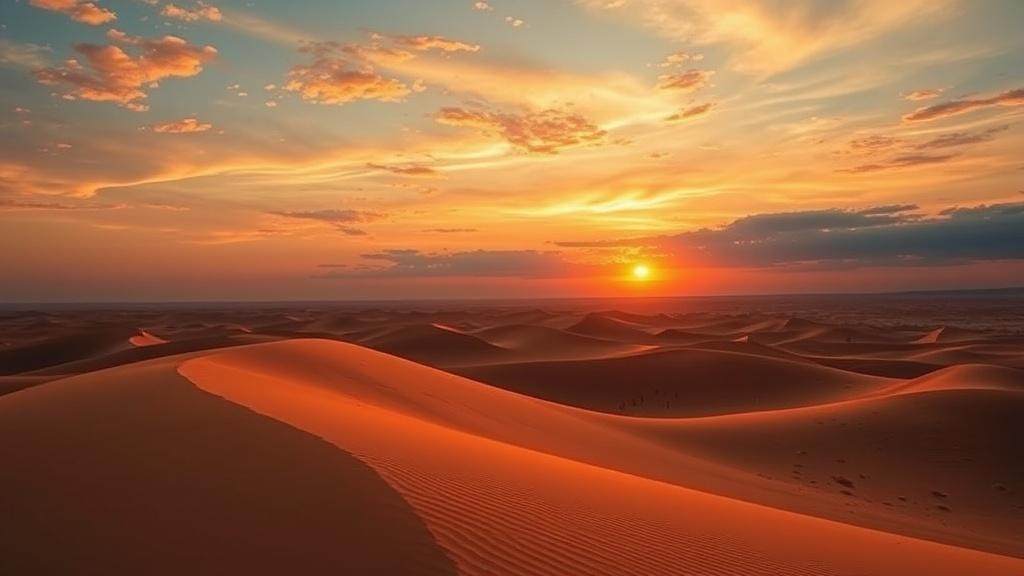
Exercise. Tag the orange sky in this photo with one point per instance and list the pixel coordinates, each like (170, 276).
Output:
(157, 150)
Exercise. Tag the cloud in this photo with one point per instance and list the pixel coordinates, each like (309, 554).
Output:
(686, 81)
(333, 215)
(678, 59)
(872, 143)
(482, 6)
(901, 161)
(955, 107)
(199, 11)
(405, 263)
(513, 21)
(451, 230)
(886, 235)
(962, 138)
(27, 55)
(925, 94)
(111, 74)
(32, 204)
(343, 73)
(544, 132)
(183, 126)
(691, 112)
(340, 219)
(337, 76)
(406, 170)
(426, 43)
(77, 10)
(767, 36)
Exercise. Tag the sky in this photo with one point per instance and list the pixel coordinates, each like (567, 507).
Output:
(328, 149)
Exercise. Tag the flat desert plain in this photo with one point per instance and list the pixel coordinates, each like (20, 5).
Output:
(552, 440)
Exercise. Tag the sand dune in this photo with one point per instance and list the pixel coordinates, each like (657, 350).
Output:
(948, 334)
(677, 383)
(570, 442)
(941, 464)
(480, 486)
(541, 342)
(135, 471)
(64, 346)
(144, 338)
(434, 343)
(600, 326)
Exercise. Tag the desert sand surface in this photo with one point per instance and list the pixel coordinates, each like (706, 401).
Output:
(543, 438)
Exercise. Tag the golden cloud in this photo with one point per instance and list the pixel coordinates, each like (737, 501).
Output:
(544, 132)
(111, 74)
(183, 126)
(200, 11)
(692, 112)
(686, 81)
(79, 11)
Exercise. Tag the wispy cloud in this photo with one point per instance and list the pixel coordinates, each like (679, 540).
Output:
(409, 263)
(692, 112)
(925, 94)
(183, 126)
(766, 36)
(964, 105)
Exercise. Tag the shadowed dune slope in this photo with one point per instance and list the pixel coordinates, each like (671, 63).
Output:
(541, 342)
(940, 459)
(433, 344)
(135, 471)
(497, 506)
(63, 346)
(686, 382)
(597, 325)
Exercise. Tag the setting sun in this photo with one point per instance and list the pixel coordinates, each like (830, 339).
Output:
(641, 272)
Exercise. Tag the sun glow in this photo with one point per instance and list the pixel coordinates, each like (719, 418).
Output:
(641, 272)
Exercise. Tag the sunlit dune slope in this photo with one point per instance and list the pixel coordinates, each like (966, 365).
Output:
(495, 478)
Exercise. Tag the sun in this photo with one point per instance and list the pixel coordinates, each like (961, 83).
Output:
(641, 272)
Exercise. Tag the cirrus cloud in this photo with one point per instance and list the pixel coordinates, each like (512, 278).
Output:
(686, 81)
(692, 112)
(963, 105)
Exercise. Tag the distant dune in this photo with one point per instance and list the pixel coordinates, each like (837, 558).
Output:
(506, 442)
